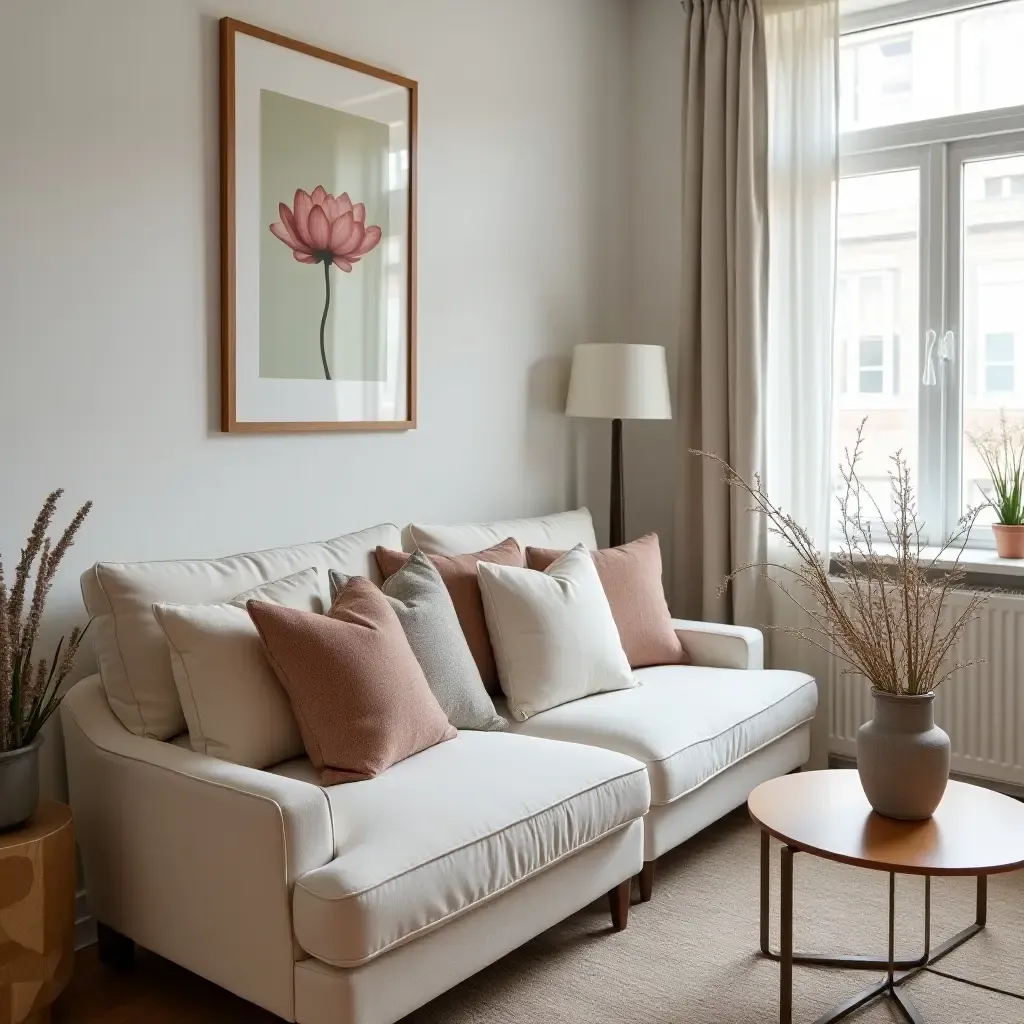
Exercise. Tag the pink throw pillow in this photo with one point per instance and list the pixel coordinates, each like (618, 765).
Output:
(631, 577)
(459, 575)
(357, 690)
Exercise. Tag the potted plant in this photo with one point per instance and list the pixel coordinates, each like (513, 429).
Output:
(881, 607)
(30, 689)
(1002, 451)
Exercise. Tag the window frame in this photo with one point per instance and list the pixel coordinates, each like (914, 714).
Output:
(939, 148)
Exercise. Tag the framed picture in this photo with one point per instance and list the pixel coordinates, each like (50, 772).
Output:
(318, 246)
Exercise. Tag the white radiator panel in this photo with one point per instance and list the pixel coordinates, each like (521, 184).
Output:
(982, 707)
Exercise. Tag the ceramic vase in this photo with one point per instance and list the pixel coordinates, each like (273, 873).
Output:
(19, 784)
(903, 756)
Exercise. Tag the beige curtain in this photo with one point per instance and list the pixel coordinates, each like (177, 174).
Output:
(722, 354)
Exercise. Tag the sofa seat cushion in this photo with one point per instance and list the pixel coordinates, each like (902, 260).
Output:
(452, 827)
(686, 723)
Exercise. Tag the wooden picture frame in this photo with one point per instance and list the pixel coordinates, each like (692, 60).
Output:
(287, 117)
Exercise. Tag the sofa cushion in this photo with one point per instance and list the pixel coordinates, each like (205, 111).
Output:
(130, 645)
(553, 633)
(459, 575)
(685, 723)
(452, 827)
(424, 607)
(220, 668)
(561, 530)
(357, 690)
(631, 577)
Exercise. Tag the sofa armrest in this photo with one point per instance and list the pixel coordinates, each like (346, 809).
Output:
(192, 857)
(715, 645)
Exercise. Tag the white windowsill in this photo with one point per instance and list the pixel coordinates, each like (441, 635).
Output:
(979, 560)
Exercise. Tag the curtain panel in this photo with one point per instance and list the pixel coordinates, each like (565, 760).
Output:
(723, 345)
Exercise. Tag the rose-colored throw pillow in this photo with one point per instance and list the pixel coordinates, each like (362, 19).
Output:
(631, 577)
(357, 690)
(459, 575)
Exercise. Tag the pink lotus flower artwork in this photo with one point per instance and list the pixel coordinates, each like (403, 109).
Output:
(321, 228)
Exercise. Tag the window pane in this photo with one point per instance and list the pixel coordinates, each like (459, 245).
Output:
(871, 382)
(993, 307)
(998, 379)
(999, 348)
(878, 257)
(949, 64)
(871, 352)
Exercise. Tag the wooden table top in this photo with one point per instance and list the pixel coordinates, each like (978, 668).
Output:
(975, 831)
(50, 817)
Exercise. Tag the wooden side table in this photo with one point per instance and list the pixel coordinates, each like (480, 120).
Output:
(37, 914)
(974, 832)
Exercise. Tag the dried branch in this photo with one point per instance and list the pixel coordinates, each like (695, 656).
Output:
(883, 616)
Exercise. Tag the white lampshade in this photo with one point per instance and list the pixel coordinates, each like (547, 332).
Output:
(619, 382)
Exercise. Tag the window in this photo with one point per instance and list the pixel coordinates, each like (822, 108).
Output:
(929, 325)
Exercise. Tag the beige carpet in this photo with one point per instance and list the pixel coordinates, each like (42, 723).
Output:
(688, 955)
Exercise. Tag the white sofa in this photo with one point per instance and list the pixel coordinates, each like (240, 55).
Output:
(355, 904)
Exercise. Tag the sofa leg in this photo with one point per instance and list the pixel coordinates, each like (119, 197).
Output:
(618, 903)
(116, 951)
(646, 881)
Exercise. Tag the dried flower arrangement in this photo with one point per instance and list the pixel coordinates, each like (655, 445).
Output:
(30, 690)
(882, 613)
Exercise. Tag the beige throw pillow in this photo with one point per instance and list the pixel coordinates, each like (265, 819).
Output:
(553, 633)
(234, 705)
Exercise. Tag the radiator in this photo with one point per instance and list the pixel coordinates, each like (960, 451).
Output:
(982, 707)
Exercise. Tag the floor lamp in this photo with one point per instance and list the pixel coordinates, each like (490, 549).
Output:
(619, 382)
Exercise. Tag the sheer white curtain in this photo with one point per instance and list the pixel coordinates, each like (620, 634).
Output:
(803, 166)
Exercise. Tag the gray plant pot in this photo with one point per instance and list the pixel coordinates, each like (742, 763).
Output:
(19, 784)
(903, 756)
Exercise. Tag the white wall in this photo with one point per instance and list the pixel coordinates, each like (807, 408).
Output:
(109, 364)
(655, 265)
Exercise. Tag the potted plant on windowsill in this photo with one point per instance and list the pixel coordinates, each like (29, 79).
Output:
(30, 690)
(1002, 451)
(883, 609)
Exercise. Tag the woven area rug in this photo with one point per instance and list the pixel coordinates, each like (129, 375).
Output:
(688, 956)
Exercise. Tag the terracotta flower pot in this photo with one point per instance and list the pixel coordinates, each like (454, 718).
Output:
(1009, 540)
(903, 756)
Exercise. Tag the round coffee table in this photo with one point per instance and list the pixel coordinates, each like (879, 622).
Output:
(974, 832)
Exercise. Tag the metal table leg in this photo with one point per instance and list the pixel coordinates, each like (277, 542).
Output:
(849, 962)
(786, 939)
(897, 972)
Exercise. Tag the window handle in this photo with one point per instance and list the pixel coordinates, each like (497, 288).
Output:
(946, 347)
(928, 378)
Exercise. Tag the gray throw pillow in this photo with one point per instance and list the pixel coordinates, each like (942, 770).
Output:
(423, 606)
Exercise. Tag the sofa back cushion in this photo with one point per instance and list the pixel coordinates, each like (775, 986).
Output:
(234, 705)
(561, 530)
(131, 648)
